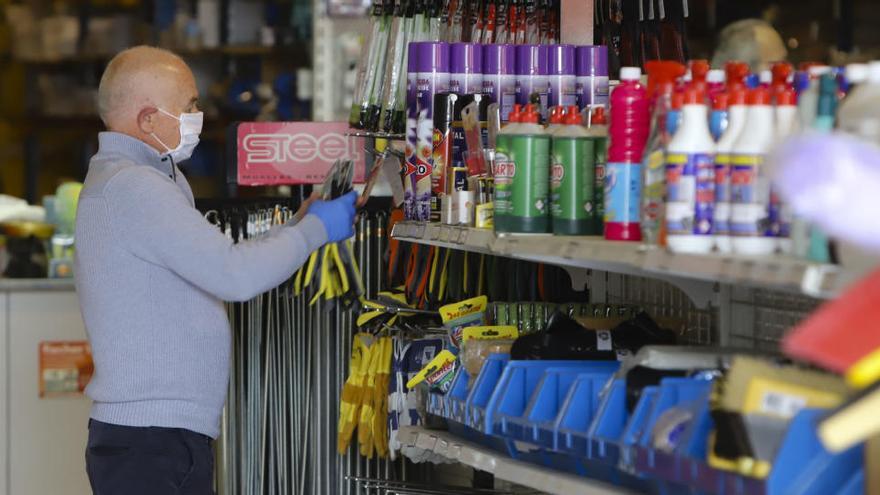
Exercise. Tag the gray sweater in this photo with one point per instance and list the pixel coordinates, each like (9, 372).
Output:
(152, 275)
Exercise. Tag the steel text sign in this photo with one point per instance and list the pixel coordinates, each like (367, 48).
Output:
(275, 153)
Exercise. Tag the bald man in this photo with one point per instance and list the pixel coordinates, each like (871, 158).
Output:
(152, 276)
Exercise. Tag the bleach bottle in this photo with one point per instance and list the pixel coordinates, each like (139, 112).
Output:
(751, 223)
(718, 119)
(736, 99)
(598, 133)
(628, 134)
(501, 197)
(690, 178)
(793, 230)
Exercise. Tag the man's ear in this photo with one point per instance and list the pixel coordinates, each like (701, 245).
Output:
(146, 119)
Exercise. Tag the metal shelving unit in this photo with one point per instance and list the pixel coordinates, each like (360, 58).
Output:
(502, 467)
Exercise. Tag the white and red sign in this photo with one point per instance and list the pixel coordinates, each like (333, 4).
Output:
(277, 153)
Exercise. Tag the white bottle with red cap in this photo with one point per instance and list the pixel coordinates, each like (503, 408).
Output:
(736, 100)
(752, 210)
(690, 178)
(794, 235)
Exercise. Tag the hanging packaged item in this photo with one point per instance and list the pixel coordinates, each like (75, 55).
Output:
(368, 89)
(393, 117)
(458, 316)
(437, 374)
(432, 77)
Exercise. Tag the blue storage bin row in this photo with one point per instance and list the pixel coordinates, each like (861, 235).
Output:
(571, 415)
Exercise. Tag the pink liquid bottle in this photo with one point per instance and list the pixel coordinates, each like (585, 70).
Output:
(628, 133)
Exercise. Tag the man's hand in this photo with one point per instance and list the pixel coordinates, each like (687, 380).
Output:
(304, 207)
(337, 216)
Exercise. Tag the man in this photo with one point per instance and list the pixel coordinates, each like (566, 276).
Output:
(751, 40)
(152, 275)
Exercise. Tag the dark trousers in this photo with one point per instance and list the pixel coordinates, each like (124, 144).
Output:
(128, 460)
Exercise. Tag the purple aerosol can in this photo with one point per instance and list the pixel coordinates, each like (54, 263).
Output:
(432, 77)
(465, 68)
(591, 66)
(499, 76)
(409, 192)
(561, 69)
(531, 77)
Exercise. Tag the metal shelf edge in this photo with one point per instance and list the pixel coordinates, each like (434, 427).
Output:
(535, 477)
(776, 272)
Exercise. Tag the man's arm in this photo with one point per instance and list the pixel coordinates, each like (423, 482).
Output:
(157, 224)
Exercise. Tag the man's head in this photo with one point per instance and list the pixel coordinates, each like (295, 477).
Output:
(142, 90)
(751, 40)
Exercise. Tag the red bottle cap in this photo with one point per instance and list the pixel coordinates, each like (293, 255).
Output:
(759, 96)
(662, 75)
(573, 116)
(699, 69)
(694, 95)
(598, 117)
(677, 100)
(736, 73)
(786, 97)
(557, 115)
(781, 72)
(736, 96)
(515, 113)
(719, 101)
(530, 116)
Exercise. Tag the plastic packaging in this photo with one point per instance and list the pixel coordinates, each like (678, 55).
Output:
(460, 315)
(572, 178)
(718, 119)
(432, 67)
(412, 115)
(375, 45)
(794, 236)
(499, 76)
(465, 68)
(859, 113)
(737, 109)
(562, 87)
(673, 116)
(522, 167)
(393, 115)
(630, 123)
(736, 72)
(531, 77)
(751, 220)
(808, 101)
(662, 76)
(690, 179)
(699, 70)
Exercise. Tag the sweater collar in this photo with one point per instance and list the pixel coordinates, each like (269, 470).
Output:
(138, 151)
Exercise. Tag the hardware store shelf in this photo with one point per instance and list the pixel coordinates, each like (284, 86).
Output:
(775, 272)
(502, 467)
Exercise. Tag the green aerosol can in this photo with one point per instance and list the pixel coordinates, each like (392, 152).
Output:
(572, 178)
(522, 182)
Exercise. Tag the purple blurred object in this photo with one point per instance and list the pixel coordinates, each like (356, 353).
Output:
(832, 180)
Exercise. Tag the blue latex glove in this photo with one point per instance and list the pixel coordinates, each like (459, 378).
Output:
(337, 216)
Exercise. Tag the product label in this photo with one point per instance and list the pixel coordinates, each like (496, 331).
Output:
(690, 193)
(571, 179)
(654, 188)
(466, 83)
(530, 176)
(505, 170)
(750, 196)
(533, 89)
(722, 194)
(600, 148)
(562, 91)
(592, 91)
(623, 189)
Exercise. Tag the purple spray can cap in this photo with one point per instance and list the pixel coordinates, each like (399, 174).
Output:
(531, 60)
(465, 58)
(432, 56)
(499, 59)
(592, 60)
(561, 60)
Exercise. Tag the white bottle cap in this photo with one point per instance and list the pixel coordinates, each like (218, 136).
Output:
(688, 76)
(766, 76)
(874, 72)
(716, 76)
(817, 70)
(857, 73)
(630, 73)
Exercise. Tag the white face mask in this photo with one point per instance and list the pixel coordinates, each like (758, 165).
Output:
(190, 128)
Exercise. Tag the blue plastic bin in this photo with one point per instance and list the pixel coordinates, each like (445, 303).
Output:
(481, 393)
(456, 400)
(570, 431)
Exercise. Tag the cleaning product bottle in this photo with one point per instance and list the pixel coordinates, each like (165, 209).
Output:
(562, 87)
(501, 197)
(630, 122)
(699, 70)
(856, 74)
(736, 100)
(765, 79)
(781, 74)
(522, 168)
(715, 82)
(808, 101)
(825, 113)
(860, 112)
(718, 119)
(572, 178)
(736, 73)
(793, 230)
(690, 178)
(598, 133)
(662, 76)
(591, 66)
(556, 119)
(751, 225)
(673, 116)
